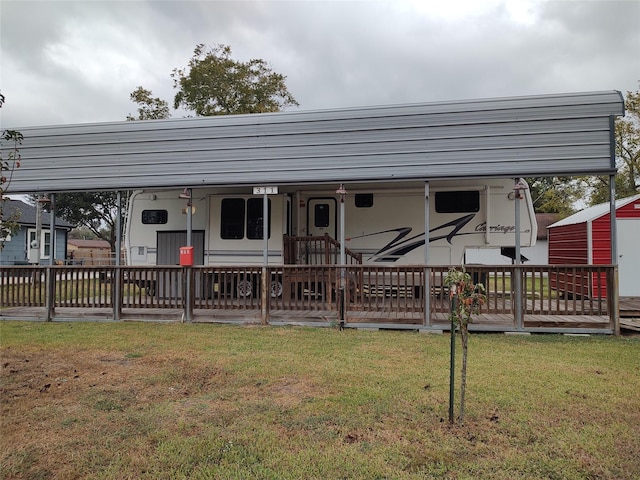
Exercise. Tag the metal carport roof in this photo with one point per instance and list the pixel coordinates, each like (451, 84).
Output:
(540, 135)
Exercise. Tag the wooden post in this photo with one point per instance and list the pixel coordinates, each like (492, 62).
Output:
(51, 293)
(327, 250)
(613, 300)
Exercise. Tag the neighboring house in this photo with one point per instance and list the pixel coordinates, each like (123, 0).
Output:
(584, 239)
(536, 255)
(89, 252)
(15, 249)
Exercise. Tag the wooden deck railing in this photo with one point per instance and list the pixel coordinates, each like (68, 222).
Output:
(541, 294)
(227, 288)
(152, 287)
(394, 291)
(322, 250)
(23, 286)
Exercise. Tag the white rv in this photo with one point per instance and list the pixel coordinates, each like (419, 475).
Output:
(383, 223)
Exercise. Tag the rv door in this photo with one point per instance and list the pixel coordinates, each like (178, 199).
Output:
(322, 217)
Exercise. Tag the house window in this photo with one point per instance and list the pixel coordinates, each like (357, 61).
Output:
(45, 242)
(464, 201)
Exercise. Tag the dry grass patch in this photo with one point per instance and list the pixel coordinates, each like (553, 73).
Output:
(124, 400)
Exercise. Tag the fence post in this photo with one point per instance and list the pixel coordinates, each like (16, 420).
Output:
(51, 297)
(187, 299)
(116, 293)
(327, 249)
(517, 272)
(427, 296)
(264, 295)
(613, 300)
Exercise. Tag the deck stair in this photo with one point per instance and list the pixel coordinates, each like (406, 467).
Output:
(319, 284)
(320, 250)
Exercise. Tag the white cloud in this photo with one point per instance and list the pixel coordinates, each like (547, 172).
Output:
(76, 61)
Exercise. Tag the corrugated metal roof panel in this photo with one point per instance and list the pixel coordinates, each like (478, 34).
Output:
(520, 136)
(592, 213)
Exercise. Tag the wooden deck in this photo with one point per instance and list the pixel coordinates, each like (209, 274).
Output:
(629, 306)
(630, 314)
(376, 297)
(382, 320)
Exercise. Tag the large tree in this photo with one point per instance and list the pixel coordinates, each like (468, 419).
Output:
(10, 141)
(554, 194)
(213, 83)
(95, 211)
(149, 108)
(627, 156)
(560, 194)
(628, 144)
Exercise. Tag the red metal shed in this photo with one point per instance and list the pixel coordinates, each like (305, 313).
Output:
(584, 239)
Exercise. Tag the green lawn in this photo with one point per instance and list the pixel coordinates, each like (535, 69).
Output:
(139, 400)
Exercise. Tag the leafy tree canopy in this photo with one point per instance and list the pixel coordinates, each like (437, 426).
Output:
(560, 194)
(83, 233)
(554, 194)
(149, 108)
(212, 84)
(215, 84)
(628, 144)
(13, 138)
(95, 211)
(627, 134)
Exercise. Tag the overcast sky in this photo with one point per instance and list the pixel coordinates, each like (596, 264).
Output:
(76, 62)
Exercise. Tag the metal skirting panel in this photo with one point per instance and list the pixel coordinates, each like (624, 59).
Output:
(519, 136)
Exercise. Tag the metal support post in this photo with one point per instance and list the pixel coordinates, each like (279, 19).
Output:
(117, 293)
(52, 230)
(189, 294)
(452, 354)
(613, 228)
(342, 192)
(264, 297)
(427, 270)
(518, 187)
(51, 274)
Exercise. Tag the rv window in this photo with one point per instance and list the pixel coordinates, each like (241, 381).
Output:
(321, 215)
(254, 218)
(154, 217)
(232, 219)
(364, 200)
(458, 202)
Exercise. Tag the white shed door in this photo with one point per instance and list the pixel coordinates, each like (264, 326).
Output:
(628, 257)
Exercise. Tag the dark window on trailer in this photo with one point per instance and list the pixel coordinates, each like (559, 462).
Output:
(154, 217)
(364, 200)
(254, 218)
(321, 217)
(463, 201)
(232, 219)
